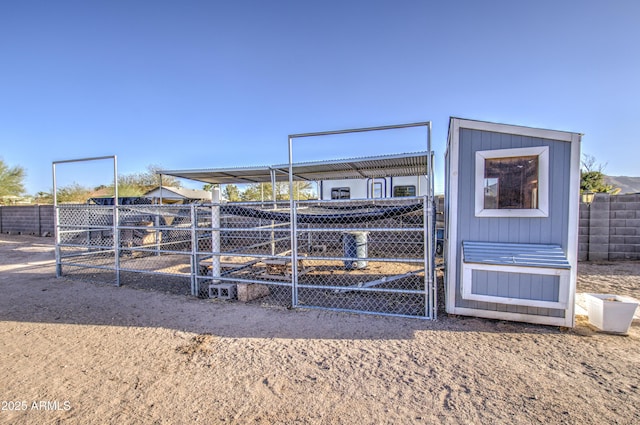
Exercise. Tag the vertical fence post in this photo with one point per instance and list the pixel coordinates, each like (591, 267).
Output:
(430, 225)
(425, 252)
(116, 241)
(194, 252)
(294, 231)
(116, 220)
(56, 222)
(272, 174)
(215, 235)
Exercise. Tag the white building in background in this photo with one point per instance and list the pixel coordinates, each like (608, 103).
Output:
(374, 188)
(173, 195)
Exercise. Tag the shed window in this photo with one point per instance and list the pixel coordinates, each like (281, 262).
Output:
(512, 182)
(400, 191)
(340, 193)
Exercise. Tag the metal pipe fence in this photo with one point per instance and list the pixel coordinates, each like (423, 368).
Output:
(360, 256)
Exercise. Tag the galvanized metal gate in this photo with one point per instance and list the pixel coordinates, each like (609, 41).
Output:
(360, 256)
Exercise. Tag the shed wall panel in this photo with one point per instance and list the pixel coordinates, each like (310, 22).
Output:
(552, 229)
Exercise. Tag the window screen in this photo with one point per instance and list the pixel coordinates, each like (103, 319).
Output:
(340, 193)
(399, 191)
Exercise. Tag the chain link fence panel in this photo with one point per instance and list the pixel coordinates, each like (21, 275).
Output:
(361, 256)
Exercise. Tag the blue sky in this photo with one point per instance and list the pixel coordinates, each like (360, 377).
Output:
(207, 84)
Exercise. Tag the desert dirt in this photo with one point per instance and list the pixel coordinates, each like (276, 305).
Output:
(78, 352)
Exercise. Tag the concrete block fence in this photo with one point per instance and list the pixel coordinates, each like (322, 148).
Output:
(609, 228)
(27, 220)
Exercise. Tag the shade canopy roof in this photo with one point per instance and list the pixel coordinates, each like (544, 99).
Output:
(406, 164)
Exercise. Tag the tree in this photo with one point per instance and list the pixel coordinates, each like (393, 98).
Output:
(137, 184)
(73, 194)
(43, 198)
(11, 180)
(263, 191)
(592, 177)
(231, 193)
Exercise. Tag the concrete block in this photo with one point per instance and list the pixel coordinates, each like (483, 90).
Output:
(626, 231)
(599, 240)
(623, 256)
(601, 222)
(251, 291)
(613, 239)
(632, 240)
(600, 198)
(617, 222)
(623, 214)
(598, 256)
(621, 248)
(633, 223)
(599, 231)
(224, 291)
(600, 215)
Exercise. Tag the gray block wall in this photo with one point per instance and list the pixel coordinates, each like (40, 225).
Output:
(27, 219)
(609, 228)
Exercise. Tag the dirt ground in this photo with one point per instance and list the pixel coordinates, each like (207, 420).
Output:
(79, 352)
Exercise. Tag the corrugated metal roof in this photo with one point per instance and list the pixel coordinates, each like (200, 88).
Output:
(405, 164)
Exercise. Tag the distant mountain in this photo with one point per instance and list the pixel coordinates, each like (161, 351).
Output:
(626, 184)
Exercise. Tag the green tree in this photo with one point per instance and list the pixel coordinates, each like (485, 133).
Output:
(73, 194)
(231, 193)
(592, 177)
(11, 180)
(263, 191)
(43, 198)
(137, 184)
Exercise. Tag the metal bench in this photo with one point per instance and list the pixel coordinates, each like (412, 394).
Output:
(521, 259)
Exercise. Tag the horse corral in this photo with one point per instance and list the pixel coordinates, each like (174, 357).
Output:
(372, 255)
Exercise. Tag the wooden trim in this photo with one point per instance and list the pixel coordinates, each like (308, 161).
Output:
(564, 136)
(451, 260)
(516, 317)
(542, 152)
(573, 223)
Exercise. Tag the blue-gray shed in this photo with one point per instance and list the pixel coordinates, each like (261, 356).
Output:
(512, 197)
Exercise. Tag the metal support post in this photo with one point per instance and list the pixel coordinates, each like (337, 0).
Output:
(194, 253)
(215, 235)
(294, 231)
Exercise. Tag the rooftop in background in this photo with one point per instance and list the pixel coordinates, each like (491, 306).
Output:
(405, 164)
(175, 194)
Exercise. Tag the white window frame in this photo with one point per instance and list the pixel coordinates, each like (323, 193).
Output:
(542, 210)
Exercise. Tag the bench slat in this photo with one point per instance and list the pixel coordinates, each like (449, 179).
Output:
(515, 254)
